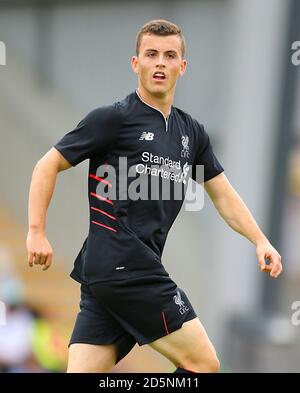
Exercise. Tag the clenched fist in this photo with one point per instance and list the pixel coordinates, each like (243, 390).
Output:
(39, 250)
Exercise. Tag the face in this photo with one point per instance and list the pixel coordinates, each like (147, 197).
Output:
(159, 64)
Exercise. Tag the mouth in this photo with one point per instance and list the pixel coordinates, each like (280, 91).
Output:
(159, 76)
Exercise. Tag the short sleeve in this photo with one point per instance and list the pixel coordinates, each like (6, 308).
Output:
(93, 134)
(205, 156)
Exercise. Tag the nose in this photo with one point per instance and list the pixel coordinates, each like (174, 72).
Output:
(160, 61)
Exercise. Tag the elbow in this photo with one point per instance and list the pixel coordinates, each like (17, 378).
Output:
(40, 166)
(219, 204)
(37, 167)
(45, 167)
(223, 208)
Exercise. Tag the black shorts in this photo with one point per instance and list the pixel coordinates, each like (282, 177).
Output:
(126, 312)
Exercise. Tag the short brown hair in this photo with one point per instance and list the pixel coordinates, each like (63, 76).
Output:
(160, 27)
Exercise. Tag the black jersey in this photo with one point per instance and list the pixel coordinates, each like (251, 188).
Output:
(127, 233)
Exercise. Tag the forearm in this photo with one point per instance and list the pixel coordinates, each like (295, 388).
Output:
(234, 211)
(41, 189)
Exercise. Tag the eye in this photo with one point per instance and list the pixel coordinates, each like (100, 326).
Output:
(171, 56)
(151, 54)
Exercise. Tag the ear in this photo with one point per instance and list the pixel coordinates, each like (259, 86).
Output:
(135, 64)
(183, 67)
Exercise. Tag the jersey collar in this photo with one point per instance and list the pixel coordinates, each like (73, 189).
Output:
(150, 106)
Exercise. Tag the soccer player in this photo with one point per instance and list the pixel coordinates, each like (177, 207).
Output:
(127, 296)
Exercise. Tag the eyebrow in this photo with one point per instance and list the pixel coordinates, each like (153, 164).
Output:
(155, 50)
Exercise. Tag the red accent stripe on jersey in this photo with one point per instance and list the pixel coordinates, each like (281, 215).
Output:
(101, 211)
(100, 179)
(102, 198)
(165, 323)
(104, 226)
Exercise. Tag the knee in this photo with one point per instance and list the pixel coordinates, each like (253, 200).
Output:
(207, 364)
(213, 365)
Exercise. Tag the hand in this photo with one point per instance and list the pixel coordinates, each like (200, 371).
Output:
(264, 251)
(39, 250)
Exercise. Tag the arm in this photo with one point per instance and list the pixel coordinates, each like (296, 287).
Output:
(41, 189)
(234, 211)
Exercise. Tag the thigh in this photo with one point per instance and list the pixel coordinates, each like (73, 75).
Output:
(97, 335)
(189, 344)
(89, 358)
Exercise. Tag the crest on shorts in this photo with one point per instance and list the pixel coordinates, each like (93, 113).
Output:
(182, 307)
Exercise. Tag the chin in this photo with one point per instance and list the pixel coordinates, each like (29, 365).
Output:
(158, 90)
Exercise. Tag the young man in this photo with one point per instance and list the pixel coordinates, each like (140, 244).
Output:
(126, 294)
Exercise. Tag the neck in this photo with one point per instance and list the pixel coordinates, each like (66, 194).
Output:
(162, 103)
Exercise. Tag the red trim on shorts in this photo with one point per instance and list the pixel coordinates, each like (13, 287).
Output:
(101, 197)
(165, 323)
(104, 226)
(101, 211)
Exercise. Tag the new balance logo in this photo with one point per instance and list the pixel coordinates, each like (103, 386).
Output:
(148, 136)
